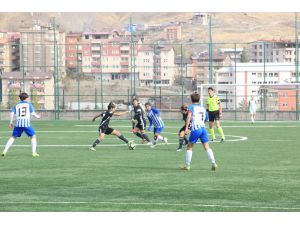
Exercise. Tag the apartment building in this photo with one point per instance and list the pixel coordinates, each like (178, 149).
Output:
(155, 65)
(42, 48)
(73, 52)
(39, 85)
(9, 51)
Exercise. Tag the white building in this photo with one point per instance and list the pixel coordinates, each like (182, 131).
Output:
(156, 66)
(250, 78)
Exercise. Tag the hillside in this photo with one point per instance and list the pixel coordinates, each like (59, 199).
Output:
(226, 27)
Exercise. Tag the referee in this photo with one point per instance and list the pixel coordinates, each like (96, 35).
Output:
(214, 113)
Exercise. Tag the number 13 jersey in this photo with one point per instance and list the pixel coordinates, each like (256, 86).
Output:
(23, 110)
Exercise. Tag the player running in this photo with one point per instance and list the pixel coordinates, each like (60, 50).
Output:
(104, 126)
(214, 113)
(139, 121)
(252, 109)
(182, 135)
(196, 118)
(22, 110)
(154, 118)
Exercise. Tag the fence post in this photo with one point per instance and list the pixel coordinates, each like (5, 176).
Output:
(265, 90)
(235, 103)
(95, 98)
(78, 85)
(297, 66)
(181, 74)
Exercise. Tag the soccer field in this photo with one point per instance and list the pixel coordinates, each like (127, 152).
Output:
(258, 170)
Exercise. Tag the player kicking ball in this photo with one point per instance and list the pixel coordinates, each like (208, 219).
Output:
(196, 118)
(182, 135)
(154, 118)
(139, 122)
(23, 110)
(105, 129)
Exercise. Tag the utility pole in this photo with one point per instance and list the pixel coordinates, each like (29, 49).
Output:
(297, 66)
(210, 52)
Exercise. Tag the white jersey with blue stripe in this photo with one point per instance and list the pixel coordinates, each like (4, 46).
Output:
(198, 118)
(154, 118)
(23, 110)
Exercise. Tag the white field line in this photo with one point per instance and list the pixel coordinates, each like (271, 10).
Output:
(239, 138)
(253, 126)
(158, 204)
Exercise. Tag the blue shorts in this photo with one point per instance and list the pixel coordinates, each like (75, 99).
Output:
(17, 132)
(158, 130)
(199, 134)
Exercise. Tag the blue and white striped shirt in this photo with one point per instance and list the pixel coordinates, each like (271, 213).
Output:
(154, 118)
(23, 110)
(199, 116)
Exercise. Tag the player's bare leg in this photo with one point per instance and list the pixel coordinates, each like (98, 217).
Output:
(210, 155)
(97, 141)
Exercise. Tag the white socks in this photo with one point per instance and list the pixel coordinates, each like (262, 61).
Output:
(33, 144)
(188, 157)
(8, 144)
(160, 138)
(211, 156)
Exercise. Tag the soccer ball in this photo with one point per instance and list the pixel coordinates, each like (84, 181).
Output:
(131, 145)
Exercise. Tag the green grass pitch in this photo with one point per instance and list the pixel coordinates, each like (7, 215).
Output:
(261, 173)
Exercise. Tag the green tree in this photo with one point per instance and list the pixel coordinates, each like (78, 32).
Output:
(13, 98)
(244, 56)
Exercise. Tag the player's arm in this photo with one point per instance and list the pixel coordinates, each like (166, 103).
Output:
(33, 113)
(220, 107)
(121, 113)
(97, 116)
(188, 120)
(12, 114)
(150, 123)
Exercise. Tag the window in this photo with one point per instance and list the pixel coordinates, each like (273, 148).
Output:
(285, 104)
(254, 74)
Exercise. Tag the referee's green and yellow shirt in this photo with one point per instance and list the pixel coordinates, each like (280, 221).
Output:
(213, 103)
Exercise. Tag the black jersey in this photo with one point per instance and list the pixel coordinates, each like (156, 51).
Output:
(139, 113)
(106, 118)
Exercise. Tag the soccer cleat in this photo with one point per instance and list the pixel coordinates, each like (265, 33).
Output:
(212, 140)
(185, 167)
(214, 167)
(3, 154)
(35, 155)
(165, 140)
(144, 141)
(153, 145)
(222, 140)
(92, 149)
(178, 150)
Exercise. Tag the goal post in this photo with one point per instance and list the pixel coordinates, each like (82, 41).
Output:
(274, 101)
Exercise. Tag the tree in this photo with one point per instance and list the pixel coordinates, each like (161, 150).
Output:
(244, 56)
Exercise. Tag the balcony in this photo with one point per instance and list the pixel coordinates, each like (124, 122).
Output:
(96, 48)
(95, 63)
(124, 63)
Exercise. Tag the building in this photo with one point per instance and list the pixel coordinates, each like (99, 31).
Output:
(235, 54)
(155, 65)
(39, 85)
(250, 78)
(42, 48)
(73, 52)
(173, 33)
(183, 67)
(107, 55)
(201, 18)
(9, 51)
(271, 51)
(200, 65)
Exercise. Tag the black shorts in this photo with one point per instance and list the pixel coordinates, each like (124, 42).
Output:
(141, 125)
(105, 129)
(214, 115)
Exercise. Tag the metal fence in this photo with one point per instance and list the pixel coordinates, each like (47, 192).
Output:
(73, 80)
